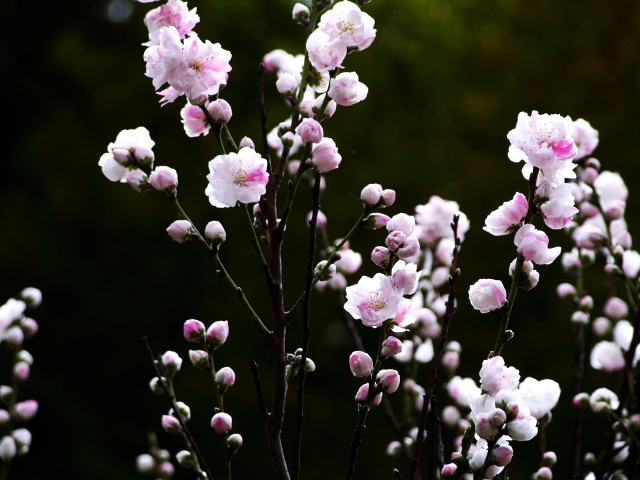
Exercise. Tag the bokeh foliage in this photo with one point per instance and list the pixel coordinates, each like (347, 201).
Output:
(447, 80)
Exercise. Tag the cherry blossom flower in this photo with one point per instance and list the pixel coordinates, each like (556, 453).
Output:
(533, 244)
(194, 121)
(631, 263)
(559, 209)
(435, 219)
(174, 13)
(347, 90)
(539, 396)
(495, 376)
(350, 25)
(585, 138)
(508, 217)
(325, 53)
(325, 156)
(132, 148)
(544, 139)
(486, 295)
(612, 191)
(309, 131)
(463, 390)
(237, 177)
(373, 300)
(607, 356)
(522, 428)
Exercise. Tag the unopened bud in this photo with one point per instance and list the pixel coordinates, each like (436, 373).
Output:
(8, 449)
(391, 346)
(185, 459)
(156, 387)
(301, 14)
(145, 463)
(164, 179)
(180, 230)
(171, 424)
(217, 333)
(234, 442)
(184, 411)
(580, 318)
(388, 197)
(370, 194)
(310, 366)
(246, 142)
(327, 274)
(375, 221)
(171, 362)
(220, 111)
(586, 303)
(199, 359)
(221, 422)
(29, 327)
(225, 377)
(31, 296)
(194, 331)
(165, 470)
(361, 364)
(380, 256)
(215, 232)
(21, 371)
(22, 437)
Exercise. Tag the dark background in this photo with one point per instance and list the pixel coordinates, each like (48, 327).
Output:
(447, 80)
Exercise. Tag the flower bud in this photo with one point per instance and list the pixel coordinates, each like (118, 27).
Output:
(21, 371)
(220, 111)
(165, 470)
(586, 303)
(156, 386)
(370, 194)
(361, 364)
(287, 84)
(137, 179)
(502, 454)
(22, 437)
(310, 366)
(171, 362)
(221, 422)
(184, 411)
(215, 233)
(185, 459)
(31, 296)
(25, 411)
(388, 380)
(199, 359)
(170, 424)
(388, 197)
(193, 331)
(8, 449)
(301, 14)
(375, 221)
(29, 327)
(449, 470)
(450, 416)
(234, 442)
(5, 393)
(145, 463)
(180, 230)
(325, 156)
(246, 142)
(451, 360)
(601, 326)
(566, 291)
(225, 377)
(24, 356)
(14, 337)
(391, 346)
(549, 459)
(164, 179)
(217, 333)
(329, 110)
(380, 256)
(580, 400)
(394, 240)
(580, 318)
(409, 248)
(616, 308)
(328, 274)
(310, 131)
(363, 394)
(544, 473)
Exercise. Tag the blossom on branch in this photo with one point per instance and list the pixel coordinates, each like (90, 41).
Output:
(486, 295)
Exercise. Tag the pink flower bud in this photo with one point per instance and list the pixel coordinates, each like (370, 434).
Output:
(616, 308)
(388, 380)
(220, 111)
(486, 295)
(185, 459)
(391, 346)
(137, 179)
(380, 256)
(145, 463)
(170, 424)
(347, 90)
(171, 362)
(215, 232)
(25, 411)
(310, 131)
(217, 333)
(589, 175)
(601, 326)
(301, 14)
(451, 360)
(5, 393)
(580, 318)
(29, 327)
(225, 377)
(329, 110)
(403, 222)
(8, 449)
(549, 459)
(449, 470)
(234, 442)
(566, 291)
(363, 394)
(199, 358)
(287, 84)
(184, 411)
(502, 454)
(31, 296)
(586, 303)
(361, 364)
(375, 221)
(221, 422)
(246, 142)
(450, 415)
(370, 194)
(193, 331)
(180, 230)
(325, 156)
(544, 473)
(288, 139)
(156, 387)
(409, 248)
(21, 371)
(328, 274)
(164, 179)
(165, 470)
(395, 240)
(388, 197)
(14, 337)
(5, 417)
(581, 400)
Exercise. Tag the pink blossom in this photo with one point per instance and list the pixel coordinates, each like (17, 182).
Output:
(603, 400)
(495, 376)
(615, 308)
(220, 111)
(221, 422)
(607, 356)
(376, 221)
(394, 240)
(507, 217)
(502, 455)
(402, 222)
(131, 148)
(237, 177)
(180, 230)
(559, 209)
(215, 232)
(544, 139)
(588, 235)
(194, 121)
(370, 194)
(351, 26)
(631, 263)
(309, 131)
(403, 317)
(435, 218)
(533, 245)
(287, 84)
(363, 394)
(164, 179)
(409, 249)
(349, 262)
(391, 346)
(523, 427)
(325, 156)
(193, 331)
(325, 53)
(25, 411)
(174, 13)
(171, 362)
(217, 333)
(380, 256)
(373, 300)
(347, 90)
(405, 277)
(225, 377)
(539, 396)
(463, 390)
(612, 191)
(486, 295)
(623, 334)
(585, 137)
(388, 197)
(361, 364)
(388, 380)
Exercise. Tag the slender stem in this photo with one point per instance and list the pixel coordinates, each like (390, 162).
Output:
(357, 440)
(254, 239)
(293, 187)
(306, 328)
(263, 116)
(258, 384)
(229, 137)
(193, 447)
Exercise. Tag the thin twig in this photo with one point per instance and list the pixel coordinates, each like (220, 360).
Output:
(258, 383)
(263, 116)
(187, 434)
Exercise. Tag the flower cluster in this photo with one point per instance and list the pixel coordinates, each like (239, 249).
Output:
(15, 328)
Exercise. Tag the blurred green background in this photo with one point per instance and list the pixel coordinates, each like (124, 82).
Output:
(446, 78)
